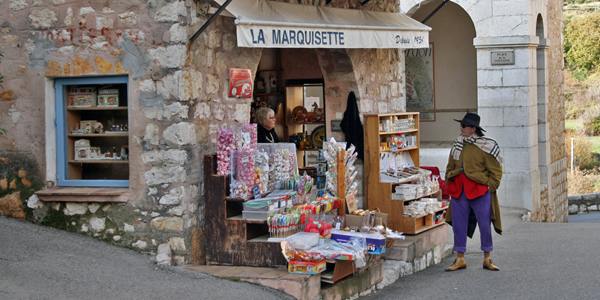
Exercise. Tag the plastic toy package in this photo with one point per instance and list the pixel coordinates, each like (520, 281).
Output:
(301, 262)
(283, 165)
(235, 138)
(261, 169)
(242, 173)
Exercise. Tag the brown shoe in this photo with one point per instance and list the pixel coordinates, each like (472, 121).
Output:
(487, 264)
(459, 263)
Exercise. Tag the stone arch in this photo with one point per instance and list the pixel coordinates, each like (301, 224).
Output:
(455, 67)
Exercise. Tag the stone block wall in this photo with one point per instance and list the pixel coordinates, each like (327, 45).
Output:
(177, 103)
(584, 203)
(42, 41)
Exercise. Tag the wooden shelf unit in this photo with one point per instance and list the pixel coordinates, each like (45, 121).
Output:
(230, 239)
(233, 240)
(98, 169)
(379, 194)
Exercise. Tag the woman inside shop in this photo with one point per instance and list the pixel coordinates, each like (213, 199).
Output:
(473, 176)
(265, 118)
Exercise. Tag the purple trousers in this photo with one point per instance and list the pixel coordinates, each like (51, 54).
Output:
(461, 208)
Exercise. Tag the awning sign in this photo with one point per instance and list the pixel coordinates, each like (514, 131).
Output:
(295, 37)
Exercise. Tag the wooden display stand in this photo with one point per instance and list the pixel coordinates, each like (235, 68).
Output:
(379, 194)
(233, 240)
(230, 239)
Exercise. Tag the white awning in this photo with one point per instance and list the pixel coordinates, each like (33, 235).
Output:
(269, 24)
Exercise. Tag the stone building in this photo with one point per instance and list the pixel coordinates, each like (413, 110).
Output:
(174, 99)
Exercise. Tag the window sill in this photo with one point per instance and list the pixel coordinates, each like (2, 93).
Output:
(84, 194)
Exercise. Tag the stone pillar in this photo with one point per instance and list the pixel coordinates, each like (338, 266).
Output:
(507, 100)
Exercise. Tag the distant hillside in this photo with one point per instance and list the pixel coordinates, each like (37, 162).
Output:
(580, 6)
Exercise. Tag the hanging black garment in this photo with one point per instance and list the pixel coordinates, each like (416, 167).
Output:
(352, 127)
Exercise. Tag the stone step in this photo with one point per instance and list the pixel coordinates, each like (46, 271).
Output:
(416, 246)
(405, 257)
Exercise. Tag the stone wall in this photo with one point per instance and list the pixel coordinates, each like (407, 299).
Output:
(149, 42)
(554, 208)
(584, 203)
(177, 103)
(554, 204)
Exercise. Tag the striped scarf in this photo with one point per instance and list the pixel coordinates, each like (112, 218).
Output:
(486, 144)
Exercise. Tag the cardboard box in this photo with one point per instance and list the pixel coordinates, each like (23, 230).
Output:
(380, 219)
(108, 98)
(375, 242)
(307, 268)
(82, 97)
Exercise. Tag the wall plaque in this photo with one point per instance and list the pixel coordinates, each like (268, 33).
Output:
(503, 57)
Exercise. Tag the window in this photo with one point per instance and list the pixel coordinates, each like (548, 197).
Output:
(92, 136)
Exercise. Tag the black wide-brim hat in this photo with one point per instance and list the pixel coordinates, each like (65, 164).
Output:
(471, 119)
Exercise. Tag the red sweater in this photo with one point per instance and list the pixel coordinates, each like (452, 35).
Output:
(472, 188)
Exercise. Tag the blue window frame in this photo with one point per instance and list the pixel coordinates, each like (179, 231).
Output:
(61, 86)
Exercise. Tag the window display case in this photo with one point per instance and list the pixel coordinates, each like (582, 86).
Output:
(92, 138)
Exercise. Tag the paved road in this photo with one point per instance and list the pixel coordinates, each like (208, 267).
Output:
(536, 260)
(593, 217)
(38, 263)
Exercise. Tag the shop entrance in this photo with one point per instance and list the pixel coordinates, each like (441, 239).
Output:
(297, 97)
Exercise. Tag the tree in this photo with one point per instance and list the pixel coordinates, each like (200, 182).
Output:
(582, 37)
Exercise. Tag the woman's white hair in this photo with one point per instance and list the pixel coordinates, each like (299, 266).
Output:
(262, 115)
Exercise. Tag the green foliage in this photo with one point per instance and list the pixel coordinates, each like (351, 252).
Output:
(567, 2)
(582, 37)
(592, 126)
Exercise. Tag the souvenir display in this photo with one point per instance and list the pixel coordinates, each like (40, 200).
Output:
(395, 124)
(82, 149)
(242, 173)
(87, 126)
(81, 97)
(299, 114)
(353, 249)
(236, 138)
(283, 166)
(317, 137)
(108, 97)
(300, 262)
(225, 144)
(261, 169)
(422, 207)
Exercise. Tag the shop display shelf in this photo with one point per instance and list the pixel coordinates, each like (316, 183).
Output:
(400, 150)
(96, 107)
(99, 161)
(255, 215)
(99, 135)
(398, 132)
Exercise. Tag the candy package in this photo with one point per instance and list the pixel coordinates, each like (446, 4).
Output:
(242, 173)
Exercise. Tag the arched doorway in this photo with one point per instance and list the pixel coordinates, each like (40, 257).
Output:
(544, 156)
(454, 76)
